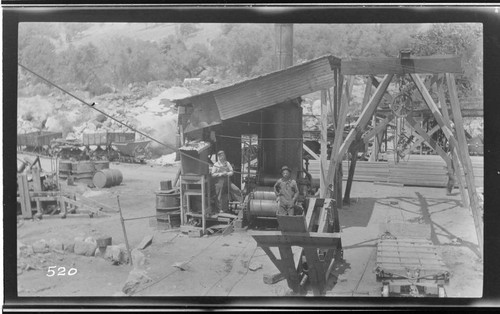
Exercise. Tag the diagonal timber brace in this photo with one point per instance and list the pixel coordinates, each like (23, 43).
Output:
(360, 125)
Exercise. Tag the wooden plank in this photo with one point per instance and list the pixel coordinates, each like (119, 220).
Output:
(310, 152)
(366, 66)
(323, 216)
(323, 144)
(360, 125)
(309, 239)
(292, 223)
(463, 150)
(310, 211)
(25, 197)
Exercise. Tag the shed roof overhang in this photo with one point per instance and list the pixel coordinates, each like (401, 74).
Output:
(261, 92)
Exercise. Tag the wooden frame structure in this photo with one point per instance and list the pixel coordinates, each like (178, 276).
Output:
(454, 131)
(318, 235)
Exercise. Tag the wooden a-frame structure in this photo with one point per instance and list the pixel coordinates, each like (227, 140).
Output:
(451, 125)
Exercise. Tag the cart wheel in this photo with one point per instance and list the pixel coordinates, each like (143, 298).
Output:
(441, 292)
(385, 290)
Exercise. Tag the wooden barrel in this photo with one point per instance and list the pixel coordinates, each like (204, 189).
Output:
(107, 177)
(168, 208)
(99, 165)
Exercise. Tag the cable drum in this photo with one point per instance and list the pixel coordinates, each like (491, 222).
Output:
(264, 193)
(263, 208)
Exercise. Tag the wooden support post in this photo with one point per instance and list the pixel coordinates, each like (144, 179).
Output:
(366, 98)
(323, 142)
(24, 196)
(37, 186)
(339, 137)
(360, 125)
(316, 271)
(465, 158)
(289, 267)
(453, 150)
(354, 158)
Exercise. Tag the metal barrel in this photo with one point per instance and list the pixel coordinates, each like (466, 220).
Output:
(263, 208)
(107, 178)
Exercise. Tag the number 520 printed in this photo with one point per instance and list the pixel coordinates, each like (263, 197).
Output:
(61, 271)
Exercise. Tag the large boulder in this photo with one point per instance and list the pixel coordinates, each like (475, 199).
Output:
(85, 248)
(40, 246)
(135, 279)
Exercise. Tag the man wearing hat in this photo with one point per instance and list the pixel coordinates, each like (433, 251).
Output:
(287, 192)
(222, 171)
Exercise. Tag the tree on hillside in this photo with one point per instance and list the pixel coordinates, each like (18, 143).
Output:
(242, 46)
(464, 40)
(38, 55)
(186, 62)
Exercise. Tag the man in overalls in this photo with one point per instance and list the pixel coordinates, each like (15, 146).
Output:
(287, 192)
(222, 172)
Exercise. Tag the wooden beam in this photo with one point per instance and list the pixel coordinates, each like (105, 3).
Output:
(454, 152)
(465, 158)
(377, 129)
(420, 139)
(339, 137)
(350, 176)
(366, 66)
(429, 140)
(434, 109)
(360, 125)
(323, 143)
(308, 150)
(303, 239)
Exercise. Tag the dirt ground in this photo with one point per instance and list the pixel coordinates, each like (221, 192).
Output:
(218, 265)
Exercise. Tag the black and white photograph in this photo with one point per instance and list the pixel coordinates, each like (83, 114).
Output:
(216, 159)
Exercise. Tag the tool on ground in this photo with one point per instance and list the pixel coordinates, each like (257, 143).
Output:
(124, 231)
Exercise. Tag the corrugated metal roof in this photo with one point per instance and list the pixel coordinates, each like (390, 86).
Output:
(271, 88)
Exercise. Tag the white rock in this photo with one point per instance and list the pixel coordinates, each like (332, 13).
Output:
(85, 248)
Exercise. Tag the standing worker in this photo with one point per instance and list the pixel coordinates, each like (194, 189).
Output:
(287, 192)
(222, 172)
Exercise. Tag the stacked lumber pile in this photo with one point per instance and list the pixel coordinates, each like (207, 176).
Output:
(426, 172)
(419, 170)
(365, 171)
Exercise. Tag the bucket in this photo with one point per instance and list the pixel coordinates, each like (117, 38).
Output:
(166, 185)
(107, 178)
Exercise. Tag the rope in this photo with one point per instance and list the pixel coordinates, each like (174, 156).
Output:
(113, 118)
